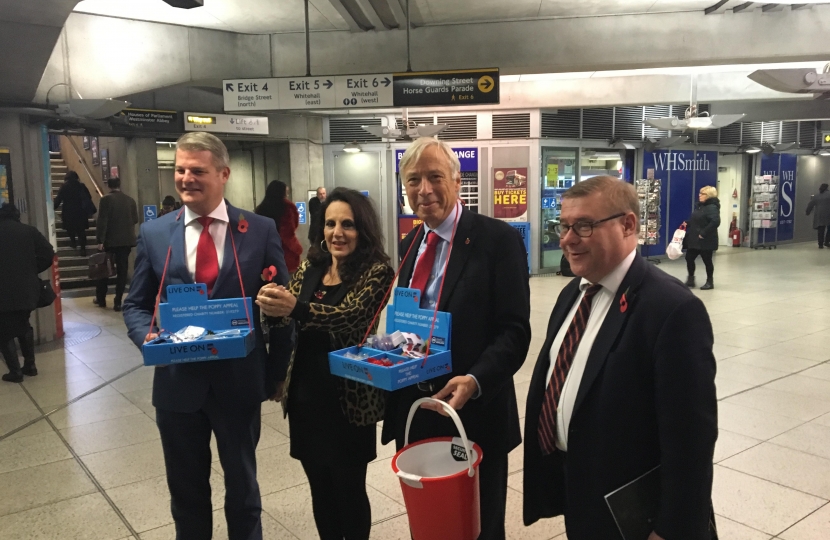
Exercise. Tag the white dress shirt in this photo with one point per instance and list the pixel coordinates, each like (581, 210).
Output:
(193, 230)
(599, 309)
(444, 232)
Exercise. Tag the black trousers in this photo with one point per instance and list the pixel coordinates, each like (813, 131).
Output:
(339, 500)
(823, 239)
(77, 237)
(706, 255)
(15, 324)
(121, 259)
(185, 440)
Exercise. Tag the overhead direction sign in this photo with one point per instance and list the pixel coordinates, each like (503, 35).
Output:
(825, 138)
(464, 87)
(430, 88)
(250, 94)
(226, 123)
(364, 90)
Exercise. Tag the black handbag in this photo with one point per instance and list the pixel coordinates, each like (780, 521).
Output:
(47, 294)
(100, 265)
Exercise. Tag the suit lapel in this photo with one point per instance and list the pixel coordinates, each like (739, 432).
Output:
(312, 276)
(408, 265)
(611, 327)
(228, 270)
(461, 246)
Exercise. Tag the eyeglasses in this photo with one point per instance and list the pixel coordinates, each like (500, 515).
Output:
(583, 229)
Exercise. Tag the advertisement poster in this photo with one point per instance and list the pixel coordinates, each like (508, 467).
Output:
(510, 193)
(552, 176)
(6, 194)
(93, 147)
(784, 167)
(105, 164)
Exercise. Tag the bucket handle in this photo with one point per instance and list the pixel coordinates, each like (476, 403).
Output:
(454, 415)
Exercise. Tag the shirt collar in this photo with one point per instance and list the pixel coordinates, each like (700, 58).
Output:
(613, 280)
(444, 230)
(220, 213)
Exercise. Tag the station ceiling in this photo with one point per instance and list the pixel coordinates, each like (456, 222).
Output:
(269, 16)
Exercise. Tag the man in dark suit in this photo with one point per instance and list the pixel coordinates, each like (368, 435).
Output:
(214, 243)
(486, 289)
(117, 218)
(625, 381)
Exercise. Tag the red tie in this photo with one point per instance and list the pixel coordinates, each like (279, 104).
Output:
(547, 419)
(207, 263)
(423, 268)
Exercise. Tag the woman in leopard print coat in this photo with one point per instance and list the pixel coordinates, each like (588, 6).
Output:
(333, 298)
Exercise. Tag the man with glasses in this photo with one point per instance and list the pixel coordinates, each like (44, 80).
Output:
(624, 383)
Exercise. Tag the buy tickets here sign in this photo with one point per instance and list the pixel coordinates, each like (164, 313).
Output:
(510, 193)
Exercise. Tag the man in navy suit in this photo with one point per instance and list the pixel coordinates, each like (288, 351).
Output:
(624, 383)
(222, 397)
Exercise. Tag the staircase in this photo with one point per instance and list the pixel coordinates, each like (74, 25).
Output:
(74, 268)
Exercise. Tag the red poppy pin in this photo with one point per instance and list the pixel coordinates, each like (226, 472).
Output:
(269, 273)
(623, 302)
(243, 224)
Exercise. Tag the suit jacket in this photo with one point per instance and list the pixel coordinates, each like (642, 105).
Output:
(236, 382)
(487, 292)
(647, 398)
(25, 253)
(117, 218)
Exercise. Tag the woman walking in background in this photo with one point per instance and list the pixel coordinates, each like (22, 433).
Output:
(276, 206)
(77, 208)
(702, 235)
(821, 219)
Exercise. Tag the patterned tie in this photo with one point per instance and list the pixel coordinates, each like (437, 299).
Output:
(423, 268)
(207, 262)
(547, 419)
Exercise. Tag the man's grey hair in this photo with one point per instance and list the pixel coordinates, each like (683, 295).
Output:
(199, 141)
(413, 154)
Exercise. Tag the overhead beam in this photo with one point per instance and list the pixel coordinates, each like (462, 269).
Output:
(720, 7)
(769, 8)
(398, 12)
(796, 7)
(370, 14)
(344, 13)
(743, 7)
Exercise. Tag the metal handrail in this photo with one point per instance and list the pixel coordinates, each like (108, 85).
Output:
(83, 162)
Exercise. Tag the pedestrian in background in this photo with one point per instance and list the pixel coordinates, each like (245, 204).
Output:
(167, 205)
(702, 236)
(315, 222)
(276, 206)
(821, 219)
(77, 209)
(26, 253)
(117, 219)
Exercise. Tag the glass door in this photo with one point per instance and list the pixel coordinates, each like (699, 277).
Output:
(560, 170)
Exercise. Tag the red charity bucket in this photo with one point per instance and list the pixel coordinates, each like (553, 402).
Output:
(440, 484)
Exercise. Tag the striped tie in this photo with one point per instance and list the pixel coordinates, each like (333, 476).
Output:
(547, 419)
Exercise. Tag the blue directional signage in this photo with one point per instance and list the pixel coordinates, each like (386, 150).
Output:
(365, 193)
(303, 211)
(548, 202)
(150, 212)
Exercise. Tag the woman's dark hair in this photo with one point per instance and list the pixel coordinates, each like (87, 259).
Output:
(168, 201)
(71, 176)
(369, 250)
(273, 205)
(822, 188)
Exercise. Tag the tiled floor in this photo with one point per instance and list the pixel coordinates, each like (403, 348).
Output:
(93, 469)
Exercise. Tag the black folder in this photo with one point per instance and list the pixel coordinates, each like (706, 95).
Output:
(635, 505)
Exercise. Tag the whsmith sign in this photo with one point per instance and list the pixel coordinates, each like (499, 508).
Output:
(680, 162)
(428, 88)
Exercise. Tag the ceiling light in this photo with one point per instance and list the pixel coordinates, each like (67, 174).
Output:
(825, 152)
(786, 147)
(793, 81)
(673, 123)
(352, 148)
(665, 142)
(748, 149)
